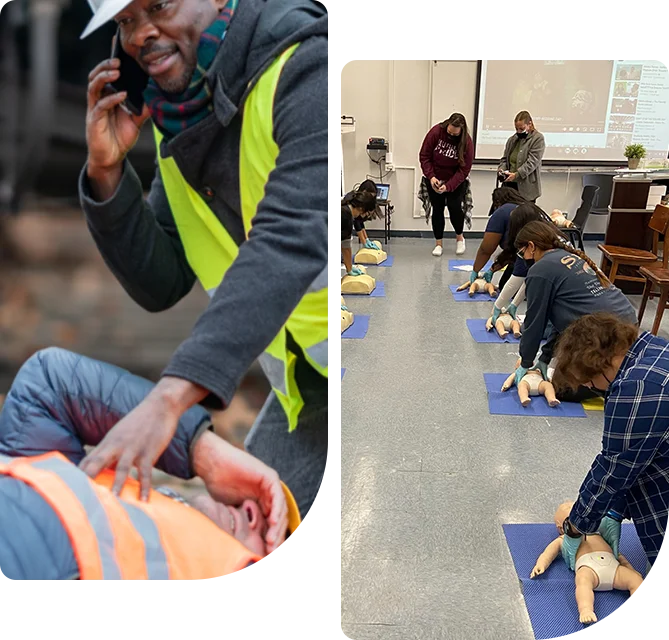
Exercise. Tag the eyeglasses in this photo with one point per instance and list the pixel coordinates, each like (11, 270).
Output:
(521, 253)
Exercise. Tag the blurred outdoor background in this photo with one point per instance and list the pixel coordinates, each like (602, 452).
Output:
(55, 290)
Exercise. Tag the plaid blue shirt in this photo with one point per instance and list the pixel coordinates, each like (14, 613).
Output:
(631, 474)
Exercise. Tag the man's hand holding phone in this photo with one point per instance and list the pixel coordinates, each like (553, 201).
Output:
(111, 130)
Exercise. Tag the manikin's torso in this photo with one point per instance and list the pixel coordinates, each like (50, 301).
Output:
(592, 543)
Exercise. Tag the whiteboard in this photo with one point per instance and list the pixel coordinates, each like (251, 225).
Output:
(453, 89)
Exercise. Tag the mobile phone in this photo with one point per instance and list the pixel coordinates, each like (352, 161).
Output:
(132, 78)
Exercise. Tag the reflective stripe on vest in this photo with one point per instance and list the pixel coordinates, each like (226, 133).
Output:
(121, 537)
(210, 250)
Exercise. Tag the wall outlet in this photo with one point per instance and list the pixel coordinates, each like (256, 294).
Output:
(389, 159)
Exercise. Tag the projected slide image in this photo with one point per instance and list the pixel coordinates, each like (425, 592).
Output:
(618, 140)
(626, 89)
(557, 93)
(621, 123)
(580, 107)
(623, 105)
(629, 72)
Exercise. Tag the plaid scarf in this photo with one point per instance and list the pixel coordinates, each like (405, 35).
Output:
(174, 113)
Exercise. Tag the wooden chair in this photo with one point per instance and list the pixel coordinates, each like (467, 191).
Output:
(655, 277)
(613, 257)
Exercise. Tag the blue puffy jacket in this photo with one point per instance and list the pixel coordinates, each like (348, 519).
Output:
(61, 401)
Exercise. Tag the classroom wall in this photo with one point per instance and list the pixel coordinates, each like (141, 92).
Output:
(395, 100)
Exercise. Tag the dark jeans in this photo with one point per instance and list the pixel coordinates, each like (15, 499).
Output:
(452, 200)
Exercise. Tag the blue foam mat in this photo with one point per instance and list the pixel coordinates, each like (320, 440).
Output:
(343, 371)
(463, 296)
(388, 262)
(358, 329)
(461, 263)
(507, 403)
(379, 291)
(549, 598)
(478, 331)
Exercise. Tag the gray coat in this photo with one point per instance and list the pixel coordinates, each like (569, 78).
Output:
(530, 154)
(287, 247)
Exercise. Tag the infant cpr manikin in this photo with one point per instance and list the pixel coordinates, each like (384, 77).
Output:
(479, 285)
(532, 384)
(597, 569)
(364, 284)
(371, 256)
(346, 317)
(505, 323)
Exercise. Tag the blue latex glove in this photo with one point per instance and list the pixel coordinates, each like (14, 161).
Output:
(356, 271)
(512, 309)
(569, 548)
(472, 276)
(520, 372)
(487, 276)
(543, 367)
(344, 307)
(610, 529)
(370, 245)
(495, 314)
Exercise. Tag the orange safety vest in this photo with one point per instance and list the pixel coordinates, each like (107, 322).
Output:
(124, 538)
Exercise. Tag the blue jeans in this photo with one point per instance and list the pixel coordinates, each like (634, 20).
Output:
(298, 457)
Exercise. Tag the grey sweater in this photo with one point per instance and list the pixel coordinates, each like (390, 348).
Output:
(286, 249)
(561, 292)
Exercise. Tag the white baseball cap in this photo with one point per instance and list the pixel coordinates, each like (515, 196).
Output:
(103, 11)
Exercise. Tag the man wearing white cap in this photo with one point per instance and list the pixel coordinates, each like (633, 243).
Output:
(237, 96)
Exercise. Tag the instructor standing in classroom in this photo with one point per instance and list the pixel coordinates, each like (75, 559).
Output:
(237, 97)
(520, 166)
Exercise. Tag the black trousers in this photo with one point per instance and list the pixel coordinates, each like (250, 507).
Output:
(506, 274)
(452, 200)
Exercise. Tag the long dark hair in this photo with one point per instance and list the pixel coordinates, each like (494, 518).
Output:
(504, 195)
(368, 186)
(545, 236)
(360, 200)
(458, 120)
(520, 216)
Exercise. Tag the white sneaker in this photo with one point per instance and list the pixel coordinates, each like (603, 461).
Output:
(459, 247)
(438, 250)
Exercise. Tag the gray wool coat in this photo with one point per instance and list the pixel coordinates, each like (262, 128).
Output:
(530, 154)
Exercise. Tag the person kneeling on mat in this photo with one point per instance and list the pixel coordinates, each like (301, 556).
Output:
(629, 478)
(596, 568)
(368, 186)
(354, 205)
(562, 285)
(58, 523)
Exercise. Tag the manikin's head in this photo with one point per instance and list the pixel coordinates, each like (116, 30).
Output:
(163, 37)
(562, 514)
(246, 523)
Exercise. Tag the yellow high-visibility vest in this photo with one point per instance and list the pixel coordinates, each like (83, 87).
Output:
(210, 249)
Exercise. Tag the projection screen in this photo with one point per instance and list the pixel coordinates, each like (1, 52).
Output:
(588, 110)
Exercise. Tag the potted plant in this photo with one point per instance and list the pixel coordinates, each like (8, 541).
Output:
(634, 153)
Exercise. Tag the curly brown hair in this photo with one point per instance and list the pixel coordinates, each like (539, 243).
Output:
(587, 347)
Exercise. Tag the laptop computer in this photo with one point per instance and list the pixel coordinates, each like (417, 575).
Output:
(382, 192)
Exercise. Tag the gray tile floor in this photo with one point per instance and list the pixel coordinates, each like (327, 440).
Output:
(428, 476)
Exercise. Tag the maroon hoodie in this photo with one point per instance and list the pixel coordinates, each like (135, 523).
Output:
(439, 158)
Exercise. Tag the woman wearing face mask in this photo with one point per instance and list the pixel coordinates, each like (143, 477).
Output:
(354, 205)
(520, 166)
(446, 158)
(629, 478)
(368, 186)
(562, 285)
